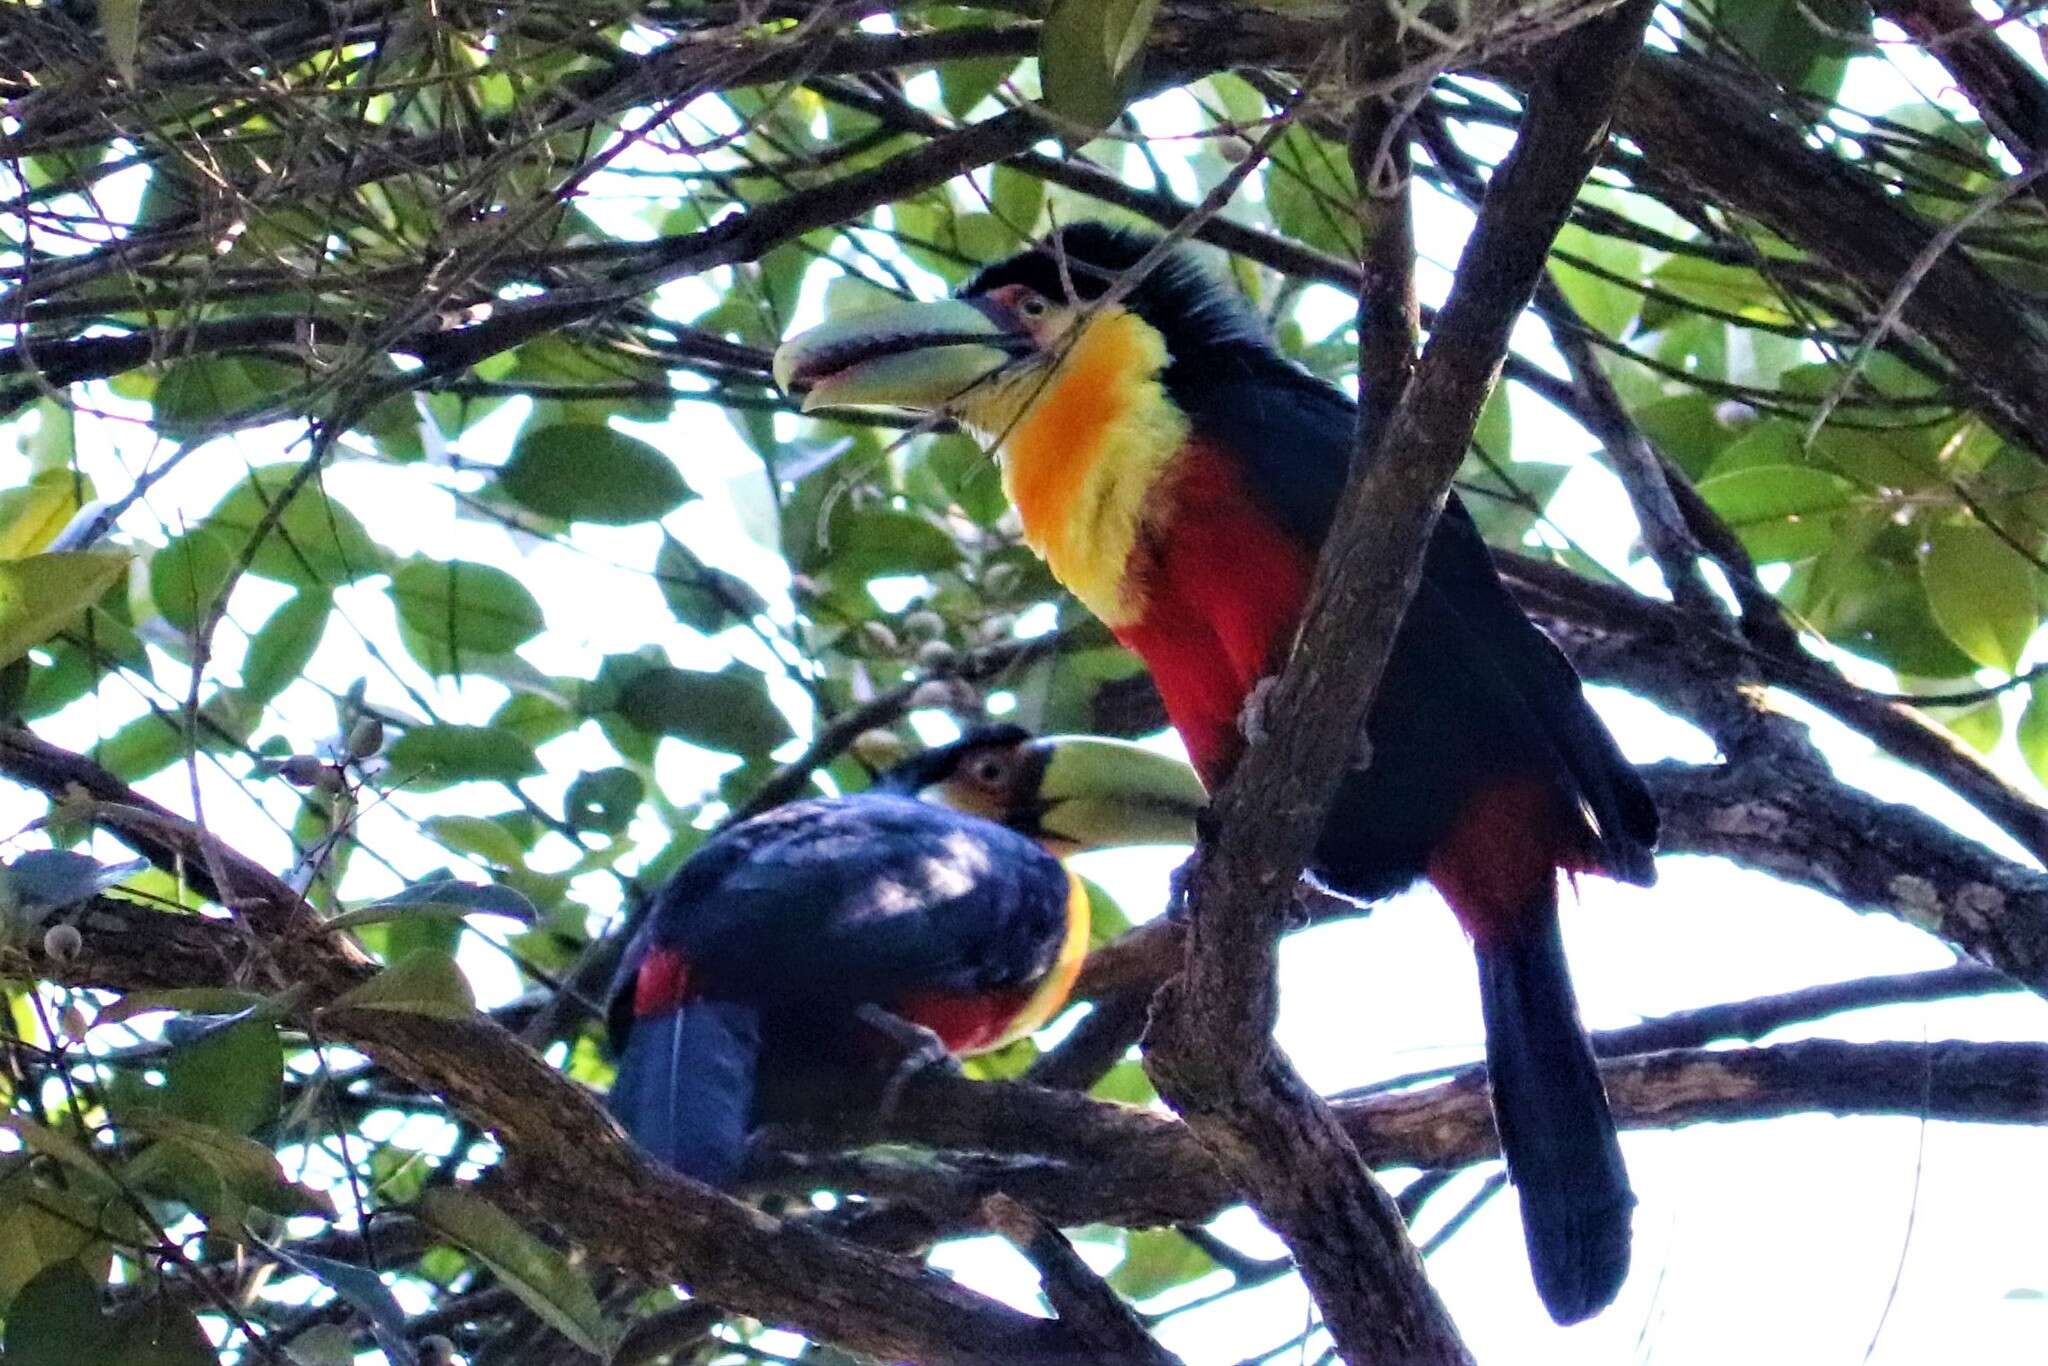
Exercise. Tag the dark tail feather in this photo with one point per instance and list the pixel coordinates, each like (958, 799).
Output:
(685, 1087)
(1554, 1126)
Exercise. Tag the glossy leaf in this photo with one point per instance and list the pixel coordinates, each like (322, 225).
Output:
(586, 472)
(728, 711)
(56, 1321)
(225, 1073)
(314, 541)
(604, 801)
(542, 1277)
(446, 898)
(32, 515)
(42, 594)
(1088, 57)
(1982, 593)
(2033, 731)
(430, 757)
(1782, 512)
(1156, 1260)
(453, 611)
(218, 1172)
(283, 646)
(422, 983)
(187, 575)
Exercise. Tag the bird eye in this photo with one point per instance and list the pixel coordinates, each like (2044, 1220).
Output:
(1033, 306)
(989, 772)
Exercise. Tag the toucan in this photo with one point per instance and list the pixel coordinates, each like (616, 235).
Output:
(937, 895)
(1179, 475)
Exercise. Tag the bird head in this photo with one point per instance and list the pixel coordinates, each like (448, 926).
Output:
(982, 356)
(1071, 792)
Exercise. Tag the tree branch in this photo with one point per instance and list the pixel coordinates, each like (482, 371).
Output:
(1077, 1161)
(1209, 1049)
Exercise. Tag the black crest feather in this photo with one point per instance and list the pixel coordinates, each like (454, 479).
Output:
(1206, 324)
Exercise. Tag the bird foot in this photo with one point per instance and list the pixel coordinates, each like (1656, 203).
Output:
(918, 1050)
(1251, 718)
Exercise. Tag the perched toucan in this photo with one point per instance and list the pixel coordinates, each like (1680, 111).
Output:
(936, 894)
(1179, 475)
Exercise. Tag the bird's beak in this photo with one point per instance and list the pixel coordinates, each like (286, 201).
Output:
(1104, 794)
(920, 356)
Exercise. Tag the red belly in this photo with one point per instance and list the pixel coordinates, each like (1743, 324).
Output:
(1224, 589)
(966, 1023)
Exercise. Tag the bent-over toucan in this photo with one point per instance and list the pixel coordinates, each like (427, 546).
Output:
(936, 894)
(1179, 475)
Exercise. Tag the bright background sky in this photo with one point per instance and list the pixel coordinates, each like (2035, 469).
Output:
(1776, 1241)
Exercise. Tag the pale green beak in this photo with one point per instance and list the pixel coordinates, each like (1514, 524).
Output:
(1106, 794)
(920, 356)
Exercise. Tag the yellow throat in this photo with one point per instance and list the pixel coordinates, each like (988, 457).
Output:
(1081, 449)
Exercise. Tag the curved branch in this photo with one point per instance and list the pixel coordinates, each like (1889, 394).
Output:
(1078, 1161)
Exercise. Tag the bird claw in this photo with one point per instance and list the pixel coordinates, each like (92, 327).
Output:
(920, 1050)
(1251, 718)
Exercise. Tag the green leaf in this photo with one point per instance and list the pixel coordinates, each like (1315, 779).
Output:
(1088, 53)
(57, 1146)
(32, 515)
(229, 1075)
(2033, 731)
(873, 542)
(604, 801)
(41, 595)
(1310, 190)
(951, 470)
(217, 1172)
(482, 836)
(1980, 727)
(541, 1277)
(700, 596)
(433, 757)
(327, 1344)
(284, 645)
(1157, 1260)
(963, 85)
(315, 542)
(54, 1319)
(425, 982)
(1782, 512)
(728, 711)
(1016, 199)
(144, 746)
(1689, 429)
(204, 391)
(187, 575)
(584, 472)
(1127, 1083)
(446, 898)
(451, 611)
(1605, 305)
(1804, 45)
(44, 1226)
(1982, 593)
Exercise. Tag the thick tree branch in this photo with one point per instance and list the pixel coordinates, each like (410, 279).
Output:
(1209, 1049)
(1077, 1161)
